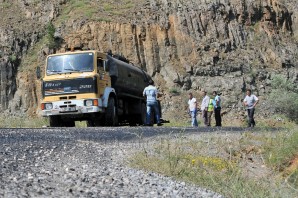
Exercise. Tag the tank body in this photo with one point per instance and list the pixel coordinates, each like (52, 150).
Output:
(128, 80)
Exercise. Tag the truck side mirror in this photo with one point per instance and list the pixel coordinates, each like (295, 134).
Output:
(38, 72)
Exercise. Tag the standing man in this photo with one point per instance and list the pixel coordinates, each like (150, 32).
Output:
(151, 94)
(217, 108)
(204, 107)
(210, 110)
(192, 107)
(250, 101)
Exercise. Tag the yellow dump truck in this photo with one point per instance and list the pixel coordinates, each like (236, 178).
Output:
(100, 88)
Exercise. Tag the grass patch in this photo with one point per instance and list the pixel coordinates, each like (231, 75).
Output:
(30, 122)
(281, 153)
(107, 7)
(5, 5)
(174, 91)
(281, 149)
(98, 10)
(81, 124)
(234, 165)
(22, 122)
(77, 9)
(30, 60)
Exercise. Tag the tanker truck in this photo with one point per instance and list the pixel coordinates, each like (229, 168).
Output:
(87, 85)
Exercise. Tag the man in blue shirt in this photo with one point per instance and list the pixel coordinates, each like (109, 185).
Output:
(217, 108)
(151, 94)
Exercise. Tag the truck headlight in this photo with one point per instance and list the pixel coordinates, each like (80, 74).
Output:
(92, 102)
(46, 106)
(49, 106)
(89, 103)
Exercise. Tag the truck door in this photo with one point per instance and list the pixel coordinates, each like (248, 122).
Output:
(104, 79)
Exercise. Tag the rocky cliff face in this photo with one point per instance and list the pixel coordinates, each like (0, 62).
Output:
(21, 27)
(224, 45)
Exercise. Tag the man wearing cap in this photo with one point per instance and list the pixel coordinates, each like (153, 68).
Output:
(151, 93)
(204, 107)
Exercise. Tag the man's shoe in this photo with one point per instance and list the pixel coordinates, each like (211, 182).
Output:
(159, 124)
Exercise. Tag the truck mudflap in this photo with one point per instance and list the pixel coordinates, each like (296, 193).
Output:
(72, 107)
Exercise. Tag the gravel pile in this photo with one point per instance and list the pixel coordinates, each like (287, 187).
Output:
(78, 163)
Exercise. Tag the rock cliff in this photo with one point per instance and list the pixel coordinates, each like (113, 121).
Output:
(186, 45)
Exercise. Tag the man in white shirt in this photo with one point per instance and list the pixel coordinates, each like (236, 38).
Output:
(192, 107)
(250, 101)
(151, 93)
(204, 107)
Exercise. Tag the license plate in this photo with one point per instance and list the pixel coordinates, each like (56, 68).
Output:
(66, 109)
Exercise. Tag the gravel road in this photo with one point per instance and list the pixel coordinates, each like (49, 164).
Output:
(84, 162)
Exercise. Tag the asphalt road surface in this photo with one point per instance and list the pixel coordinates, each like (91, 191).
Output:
(86, 162)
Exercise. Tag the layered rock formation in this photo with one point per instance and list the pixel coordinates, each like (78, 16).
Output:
(186, 45)
(21, 27)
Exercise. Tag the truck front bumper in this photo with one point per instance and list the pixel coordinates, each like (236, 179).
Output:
(71, 107)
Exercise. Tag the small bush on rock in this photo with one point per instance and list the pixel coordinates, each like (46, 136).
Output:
(284, 97)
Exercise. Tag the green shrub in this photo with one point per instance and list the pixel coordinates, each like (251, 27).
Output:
(174, 91)
(12, 58)
(50, 31)
(284, 97)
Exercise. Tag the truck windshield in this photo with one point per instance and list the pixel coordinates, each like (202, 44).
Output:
(70, 63)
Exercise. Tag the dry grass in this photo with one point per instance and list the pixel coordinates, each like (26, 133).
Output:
(233, 164)
(22, 122)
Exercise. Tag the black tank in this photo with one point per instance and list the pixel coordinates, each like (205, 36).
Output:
(127, 79)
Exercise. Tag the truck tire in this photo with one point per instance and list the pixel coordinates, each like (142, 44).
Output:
(94, 123)
(90, 123)
(55, 121)
(111, 117)
(143, 114)
(133, 120)
(69, 124)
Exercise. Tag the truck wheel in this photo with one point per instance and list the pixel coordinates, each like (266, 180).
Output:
(134, 120)
(55, 121)
(111, 117)
(143, 114)
(90, 123)
(69, 124)
(94, 123)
